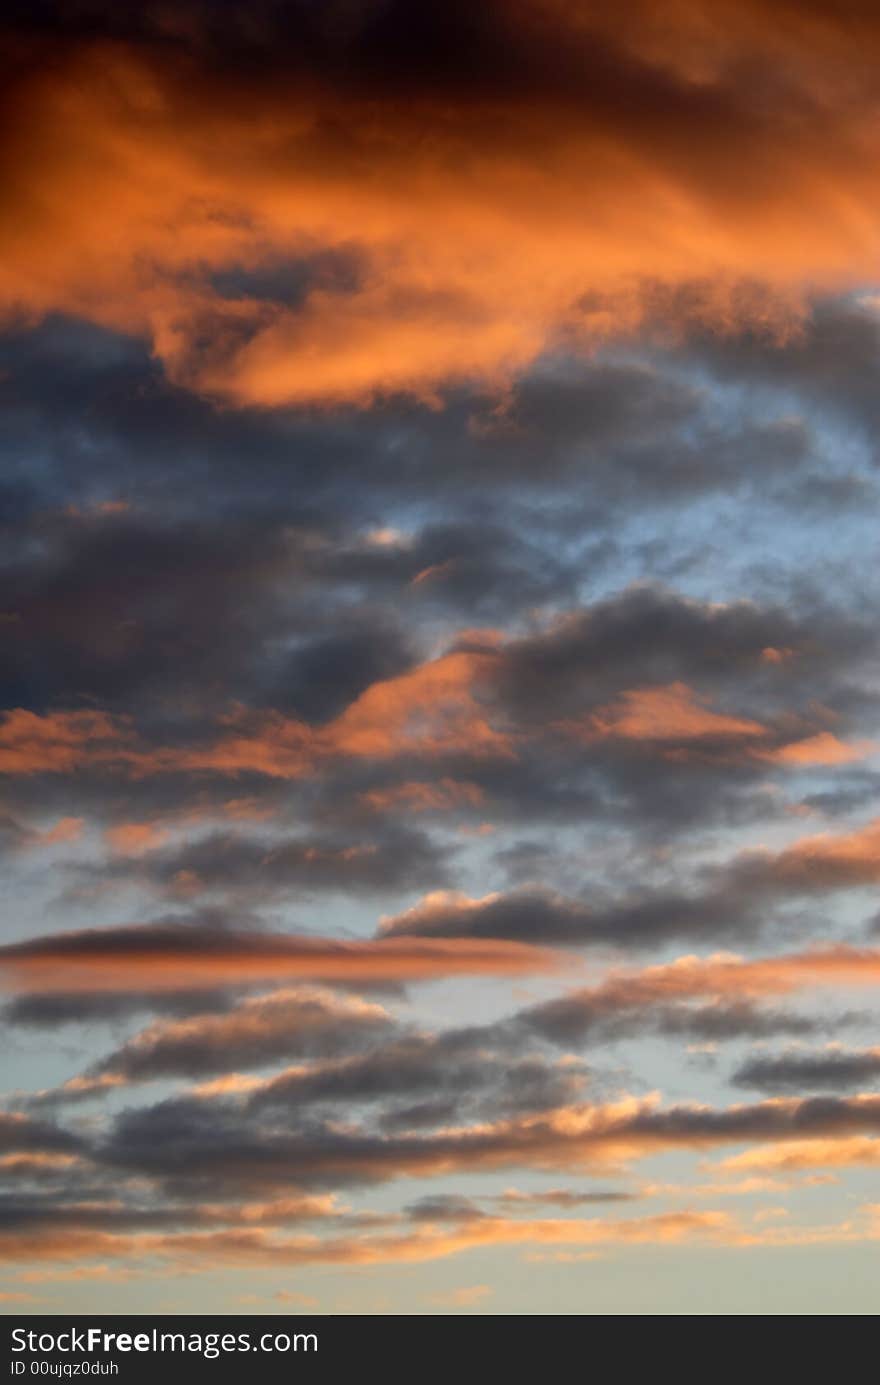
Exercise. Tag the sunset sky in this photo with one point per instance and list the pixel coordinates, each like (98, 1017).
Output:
(440, 730)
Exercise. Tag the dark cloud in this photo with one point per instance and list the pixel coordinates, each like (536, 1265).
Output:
(650, 636)
(192, 1144)
(244, 868)
(199, 612)
(798, 1071)
(302, 612)
(829, 364)
(443, 1207)
(22, 1134)
(47, 1011)
(260, 1030)
(89, 1210)
(755, 891)
(575, 1020)
(530, 915)
(464, 1067)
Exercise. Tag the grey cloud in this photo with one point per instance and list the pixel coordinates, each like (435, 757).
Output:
(461, 1068)
(797, 1071)
(189, 1144)
(22, 1134)
(540, 915)
(305, 1022)
(245, 867)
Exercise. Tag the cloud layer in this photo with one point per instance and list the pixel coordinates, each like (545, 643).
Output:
(438, 682)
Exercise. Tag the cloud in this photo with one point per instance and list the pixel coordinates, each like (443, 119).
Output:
(814, 1153)
(647, 636)
(819, 863)
(30, 744)
(47, 1010)
(453, 1072)
(545, 720)
(305, 1022)
(532, 913)
(16, 836)
(421, 513)
(183, 957)
(669, 713)
(567, 181)
(726, 988)
(38, 1166)
(424, 797)
(562, 1198)
(95, 1214)
(357, 1055)
(134, 838)
(232, 864)
(822, 749)
(19, 1134)
(430, 709)
(257, 1248)
(796, 1070)
(248, 1234)
(673, 716)
(731, 900)
(190, 1143)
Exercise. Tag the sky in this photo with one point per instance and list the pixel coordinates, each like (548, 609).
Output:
(439, 746)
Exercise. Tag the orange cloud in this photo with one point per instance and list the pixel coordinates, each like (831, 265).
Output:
(821, 749)
(823, 861)
(432, 709)
(584, 156)
(444, 706)
(133, 838)
(257, 1247)
(435, 903)
(808, 1154)
(134, 960)
(260, 1248)
(432, 573)
(105, 1273)
(670, 713)
(419, 797)
(725, 975)
(56, 742)
(674, 713)
(34, 1162)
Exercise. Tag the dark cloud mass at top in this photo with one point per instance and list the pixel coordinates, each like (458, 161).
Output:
(438, 675)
